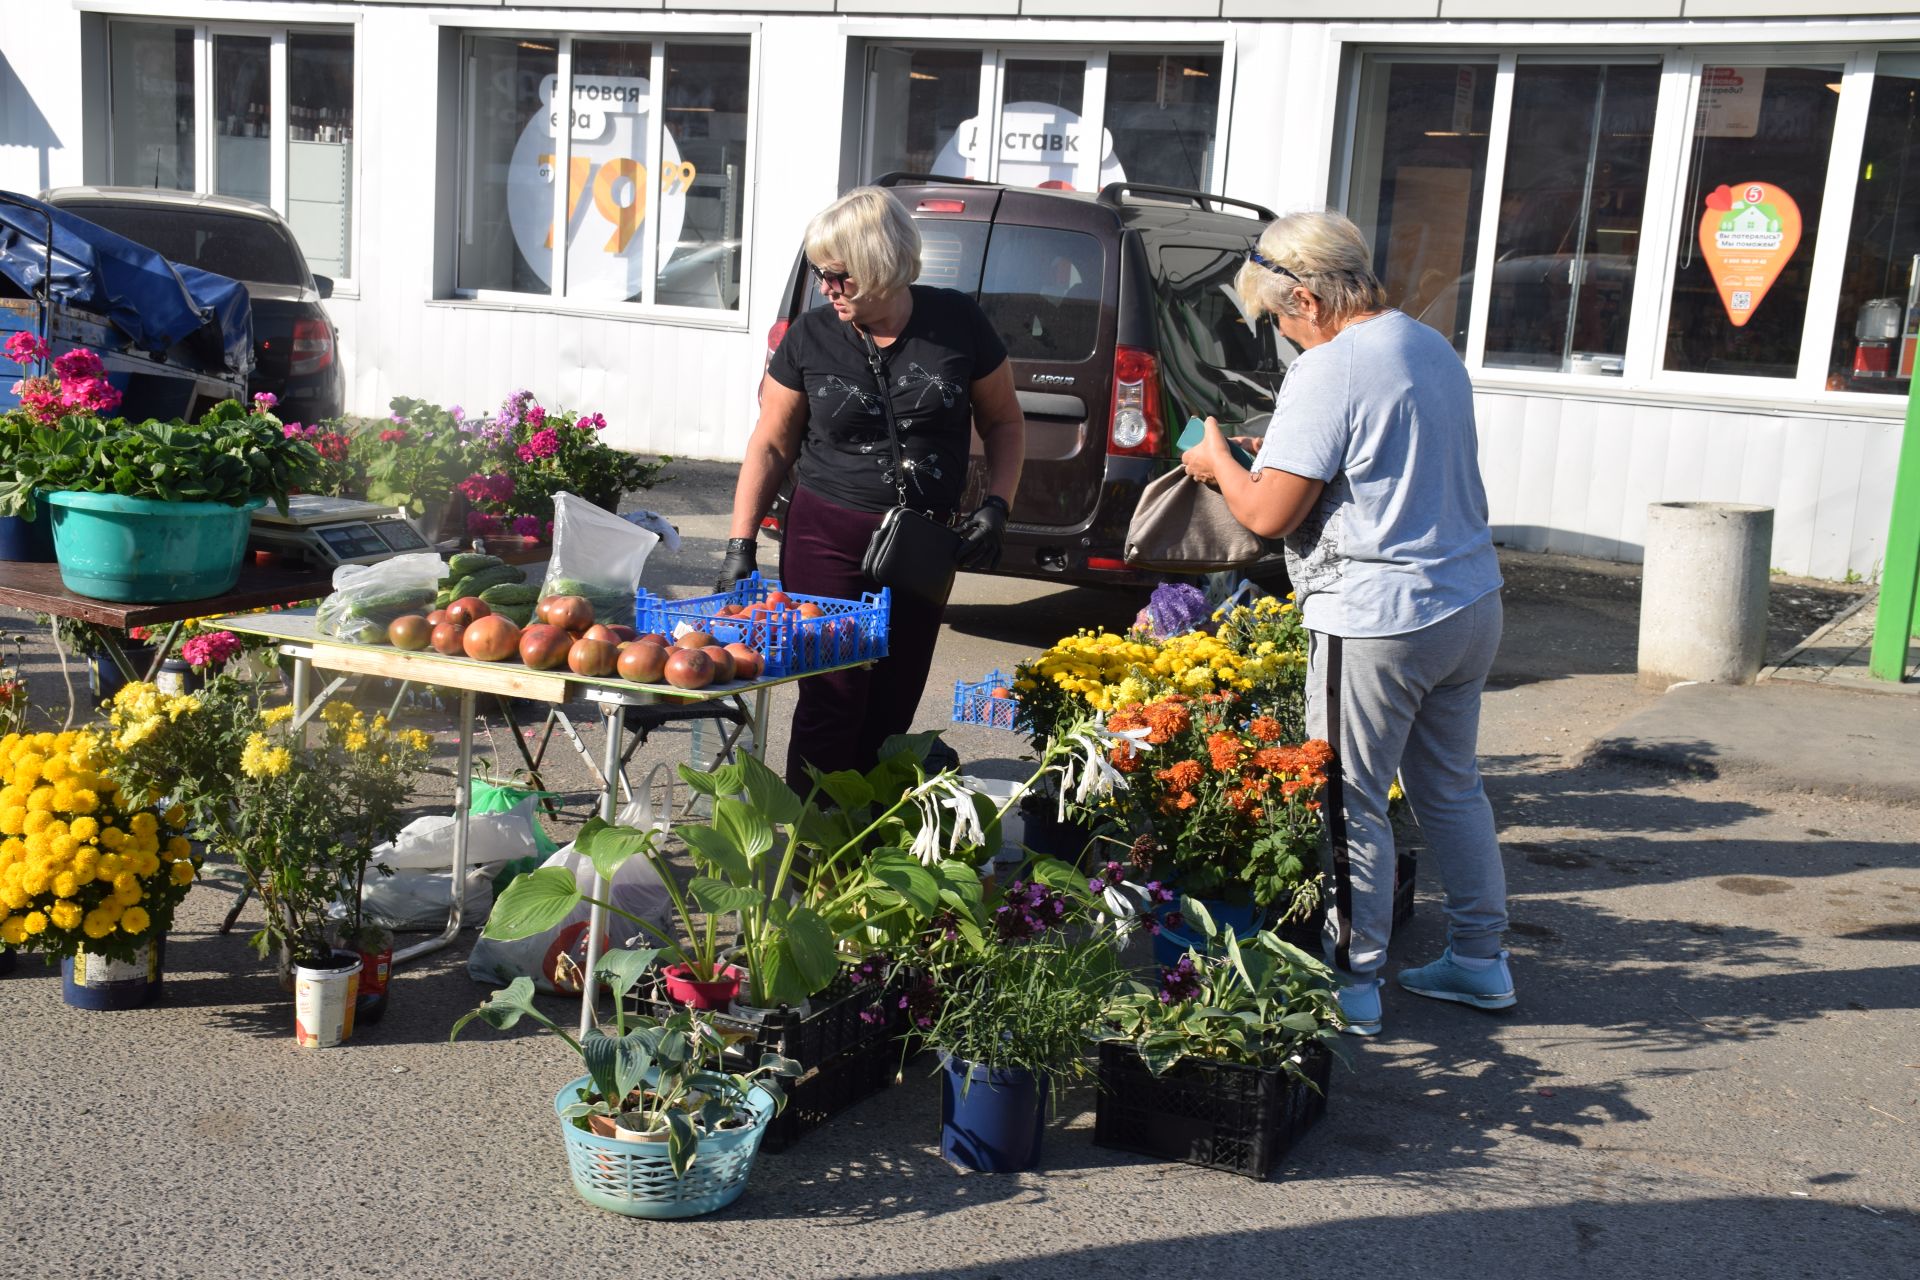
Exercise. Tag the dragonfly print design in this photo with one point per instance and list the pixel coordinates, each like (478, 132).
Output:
(850, 394)
(918, 377)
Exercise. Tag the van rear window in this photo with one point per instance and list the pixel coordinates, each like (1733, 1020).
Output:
(1211, 359)
(951, 254)
(1041, 290)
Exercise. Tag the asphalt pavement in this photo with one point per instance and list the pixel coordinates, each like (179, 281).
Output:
(1714, 1069)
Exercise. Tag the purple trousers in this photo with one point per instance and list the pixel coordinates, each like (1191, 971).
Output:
(842, 718)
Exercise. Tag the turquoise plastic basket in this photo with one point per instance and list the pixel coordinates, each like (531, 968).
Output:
(635, 1178)
(147, 551)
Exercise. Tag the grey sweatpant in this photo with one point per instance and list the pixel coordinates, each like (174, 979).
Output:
(1409, 704)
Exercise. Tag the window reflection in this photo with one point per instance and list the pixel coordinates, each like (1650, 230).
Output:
(1878, 326)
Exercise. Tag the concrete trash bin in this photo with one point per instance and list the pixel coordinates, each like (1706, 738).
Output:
(1703, 595)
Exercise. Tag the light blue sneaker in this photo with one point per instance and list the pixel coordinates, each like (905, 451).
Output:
(1488, 988)
(1360, 1006)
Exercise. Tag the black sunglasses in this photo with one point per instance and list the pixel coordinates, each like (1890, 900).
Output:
(838, 279)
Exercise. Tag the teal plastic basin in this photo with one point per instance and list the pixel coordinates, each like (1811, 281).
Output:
(143, 550)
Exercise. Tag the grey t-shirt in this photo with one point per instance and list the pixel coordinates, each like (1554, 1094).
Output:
(1399, 539)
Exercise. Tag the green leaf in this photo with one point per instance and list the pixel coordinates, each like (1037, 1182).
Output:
(505, 1007)
(1195, 910)
(845, 788)
(769, 792)
(909, 879)
(699, 780)
(714, 850)
(682, 1141)
(609, 847)
(809, 945)
(718, 897)
(1300, 1022)
(535, 902)
(623, 969)
(749, 830)
(824, 831)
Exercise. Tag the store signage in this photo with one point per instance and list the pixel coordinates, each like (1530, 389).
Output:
(1747, 233)
(609, 191)
(1040, 146)
(1730, 102)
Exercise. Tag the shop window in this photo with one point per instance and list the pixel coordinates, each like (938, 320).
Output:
(1162, 110)
(320, 147)
(920, 99)
(1878, 325)
(1749, 216)
(242, 117)
(705, 115)
(151, 114)
(1420, 166)
(1570, 209)
(506, 200)
(614, 184)
(1041, 290)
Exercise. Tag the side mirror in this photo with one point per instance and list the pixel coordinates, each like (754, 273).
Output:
(324, 284)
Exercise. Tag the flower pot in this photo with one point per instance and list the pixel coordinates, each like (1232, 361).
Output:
(104, 678)
(177, 676)
(27, 540)
(7, 961)
(991, 1120)
(323, 1001)
(636, 1178)
(89, 981)
(147, 551)
(376, 967)
(715, 996)
(1172, 942)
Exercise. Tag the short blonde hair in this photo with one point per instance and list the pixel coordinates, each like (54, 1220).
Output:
(872, 235)
(1327, 256)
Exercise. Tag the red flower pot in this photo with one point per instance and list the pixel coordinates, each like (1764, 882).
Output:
(714, 996)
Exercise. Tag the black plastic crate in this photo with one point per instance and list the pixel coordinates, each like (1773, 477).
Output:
(1238, 1119)
(833, 1086)
(832, 1026)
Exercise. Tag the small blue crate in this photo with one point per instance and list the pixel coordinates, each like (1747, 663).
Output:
(974, 703)
(846, 631)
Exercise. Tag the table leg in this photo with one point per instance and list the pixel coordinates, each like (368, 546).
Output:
(597, 918)
(762, 708)
(462, 788)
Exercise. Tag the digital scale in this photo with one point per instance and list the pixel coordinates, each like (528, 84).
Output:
(334, 531)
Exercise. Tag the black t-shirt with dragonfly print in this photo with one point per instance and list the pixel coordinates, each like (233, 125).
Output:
(946, 346)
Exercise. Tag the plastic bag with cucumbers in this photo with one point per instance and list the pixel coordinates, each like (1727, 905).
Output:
(599, 556)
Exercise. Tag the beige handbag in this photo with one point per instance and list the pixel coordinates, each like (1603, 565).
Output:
(1183, 526)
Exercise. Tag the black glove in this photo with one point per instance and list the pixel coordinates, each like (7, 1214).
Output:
(739, 563)
(981, 534)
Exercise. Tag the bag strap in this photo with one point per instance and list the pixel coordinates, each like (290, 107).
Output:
(886, 407)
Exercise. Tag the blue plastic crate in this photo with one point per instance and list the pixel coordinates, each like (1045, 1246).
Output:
(974, 703)
(847, 630)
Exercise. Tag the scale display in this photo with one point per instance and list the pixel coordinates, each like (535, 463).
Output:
(335, 531)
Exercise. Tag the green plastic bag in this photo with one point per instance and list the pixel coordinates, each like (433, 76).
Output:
(497, 797)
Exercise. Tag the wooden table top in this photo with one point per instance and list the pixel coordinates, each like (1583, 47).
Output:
(37, 587)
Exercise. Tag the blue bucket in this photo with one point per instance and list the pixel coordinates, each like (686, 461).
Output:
(143, 550)
(995, 1125)
(88, 981)
(30, 541)
(1172, 943)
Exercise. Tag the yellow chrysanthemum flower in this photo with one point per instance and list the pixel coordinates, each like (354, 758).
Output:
(143, 824)
(84, 829)
(134, 920)
(65, 885)
(13, 930)
(182, 872)
(65, 915)
(276, 715)
(176, 817)
(110, 865)
(354, 741)
(36, 922)
(179, 847)
(145, 863)
(97, 924)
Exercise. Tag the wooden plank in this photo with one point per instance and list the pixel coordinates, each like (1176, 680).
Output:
(37, 587)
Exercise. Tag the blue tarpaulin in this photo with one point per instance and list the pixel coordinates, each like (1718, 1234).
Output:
(157, 304)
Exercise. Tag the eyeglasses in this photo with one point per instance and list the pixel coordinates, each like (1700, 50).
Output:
(835, 280)
(1253, 256)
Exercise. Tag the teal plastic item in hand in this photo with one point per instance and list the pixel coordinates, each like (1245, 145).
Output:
(1196, 430)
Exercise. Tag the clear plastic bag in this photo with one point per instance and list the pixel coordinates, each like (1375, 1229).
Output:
(366, 597)
(599, 556)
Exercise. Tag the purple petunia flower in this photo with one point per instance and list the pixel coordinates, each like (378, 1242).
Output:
(1176, 608)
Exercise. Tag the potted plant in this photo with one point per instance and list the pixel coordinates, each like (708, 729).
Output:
(527, 453)
(414, 458)
(1224, 1061)
(298, 818)
(658, 1127)
(73, 385)
(91, 869)
(157, 511)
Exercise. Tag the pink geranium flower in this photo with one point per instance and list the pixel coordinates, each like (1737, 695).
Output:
(25, 348)
(210, 649)
(79, 363)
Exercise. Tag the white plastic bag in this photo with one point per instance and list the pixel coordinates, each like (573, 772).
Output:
(598, 555)
(426, 844)
(366, 597)
(636, 890)
(420, 899)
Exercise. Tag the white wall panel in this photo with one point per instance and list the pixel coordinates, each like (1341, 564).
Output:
(1798, 498)
(1845, 452)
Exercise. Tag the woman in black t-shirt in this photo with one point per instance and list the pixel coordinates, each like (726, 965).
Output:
(821, 415)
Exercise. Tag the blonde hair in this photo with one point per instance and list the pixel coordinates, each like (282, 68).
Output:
(872, 235)
(1327, 256)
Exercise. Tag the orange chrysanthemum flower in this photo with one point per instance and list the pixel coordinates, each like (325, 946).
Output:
(1224, 750)
(1183, 775)
(1265, 728)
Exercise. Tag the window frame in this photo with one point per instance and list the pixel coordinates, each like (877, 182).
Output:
(658, 33)
(1642, 375)
(206, 28)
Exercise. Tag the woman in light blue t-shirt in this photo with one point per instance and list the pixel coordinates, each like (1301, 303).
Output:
(1370, 472)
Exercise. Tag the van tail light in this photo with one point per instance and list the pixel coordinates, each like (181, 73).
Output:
(1136, 429)
(312, 348)
(774, 334)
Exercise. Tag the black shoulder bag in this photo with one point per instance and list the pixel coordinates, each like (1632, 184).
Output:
(910, 552)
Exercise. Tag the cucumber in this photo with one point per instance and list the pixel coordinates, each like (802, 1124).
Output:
(467, 562)
(383, 607)
(509, 593)
(443, 598)
(569, 587)
(518, 614)
(474, 583)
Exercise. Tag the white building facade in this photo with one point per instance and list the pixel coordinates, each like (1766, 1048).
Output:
(1674, 240)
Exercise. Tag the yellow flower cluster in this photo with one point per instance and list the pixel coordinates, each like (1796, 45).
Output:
(1091, 664)
(140, 711)
(261, 759)
(70, 857)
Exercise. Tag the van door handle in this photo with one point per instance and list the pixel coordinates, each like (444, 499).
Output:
(1051, 404)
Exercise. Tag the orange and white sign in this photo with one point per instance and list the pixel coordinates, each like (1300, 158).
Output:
(1747, 233)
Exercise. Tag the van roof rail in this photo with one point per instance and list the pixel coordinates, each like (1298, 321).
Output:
(901, 178)
(1114, 192)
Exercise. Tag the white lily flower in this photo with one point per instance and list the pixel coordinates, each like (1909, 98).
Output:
(926, 841)
(966, 817)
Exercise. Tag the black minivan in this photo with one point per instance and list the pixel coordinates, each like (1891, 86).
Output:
(1120, 320)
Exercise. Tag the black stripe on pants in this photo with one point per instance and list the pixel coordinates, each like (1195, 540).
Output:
(1337, 819)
